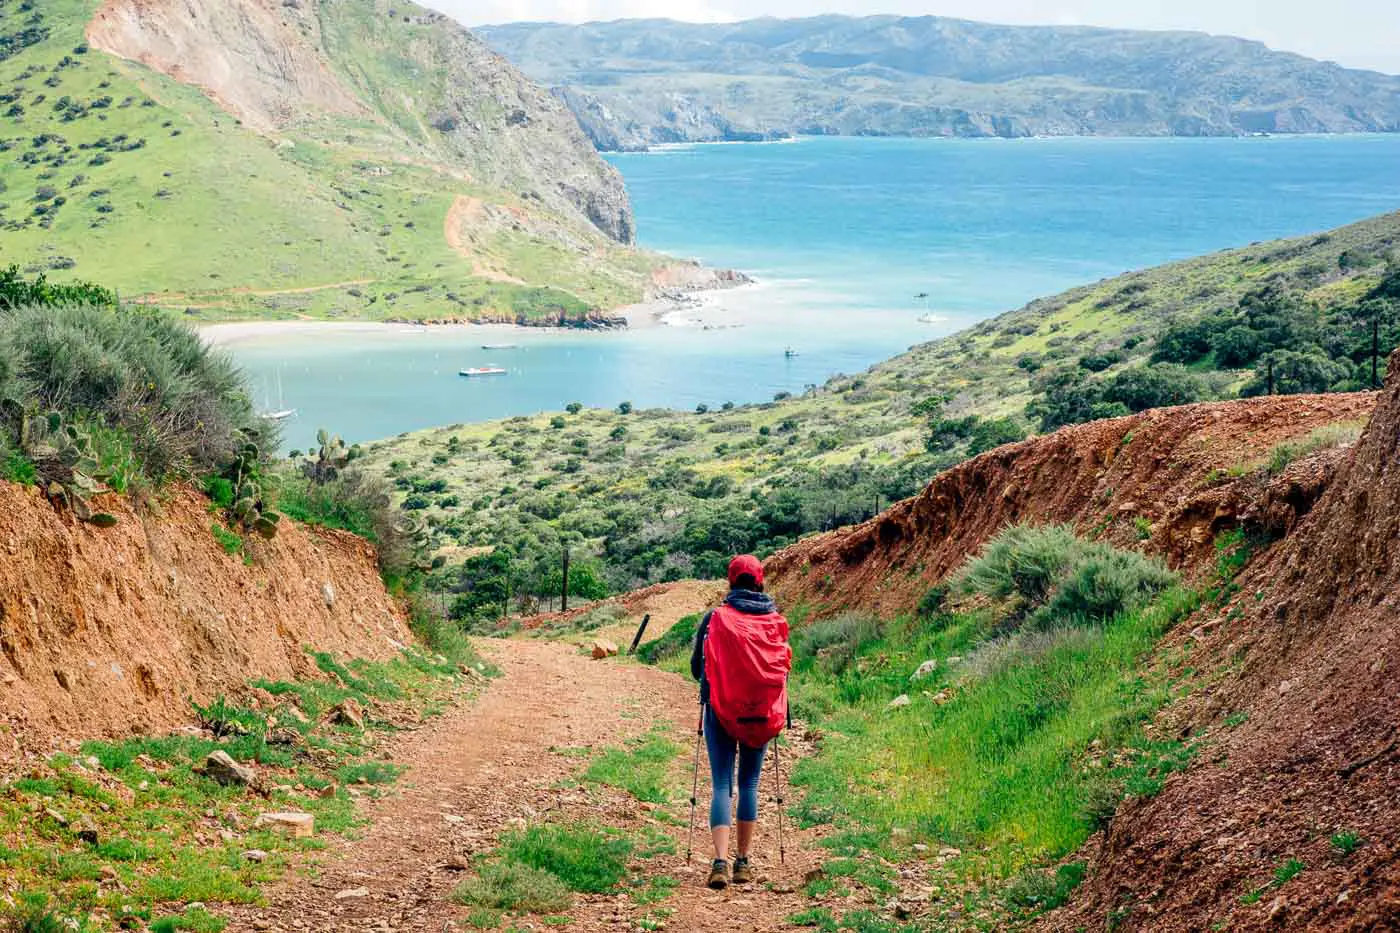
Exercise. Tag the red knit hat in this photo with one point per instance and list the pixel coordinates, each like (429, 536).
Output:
(745, 564)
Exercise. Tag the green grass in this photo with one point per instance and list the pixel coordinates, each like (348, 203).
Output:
(641, 768)
(309, 213)
(588, 860)
(152, 830)
(1346, 842)
(230, 541)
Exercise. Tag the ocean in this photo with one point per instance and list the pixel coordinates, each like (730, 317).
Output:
(860, 249)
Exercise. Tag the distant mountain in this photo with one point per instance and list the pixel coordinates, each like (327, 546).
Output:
(636, 83)
(325, 158)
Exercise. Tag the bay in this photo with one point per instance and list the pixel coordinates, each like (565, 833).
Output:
(852, 242)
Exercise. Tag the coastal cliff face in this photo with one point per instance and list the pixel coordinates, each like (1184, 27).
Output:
(279, 65)
(634, 84)
(110, 632)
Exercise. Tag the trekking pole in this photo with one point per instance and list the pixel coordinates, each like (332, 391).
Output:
(778, 780)
(694, 784)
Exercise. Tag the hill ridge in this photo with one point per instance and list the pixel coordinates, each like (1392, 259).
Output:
(645, 82)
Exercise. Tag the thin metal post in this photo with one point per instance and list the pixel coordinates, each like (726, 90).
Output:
(564, 591)
(641, 630)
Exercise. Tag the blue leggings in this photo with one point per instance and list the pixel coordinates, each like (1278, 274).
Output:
(722, 750)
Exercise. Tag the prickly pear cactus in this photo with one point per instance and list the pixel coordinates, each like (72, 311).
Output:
(329, 460)
(249, 507)
(64, 459)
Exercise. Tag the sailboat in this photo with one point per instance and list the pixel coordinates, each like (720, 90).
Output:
(280, 414)
(790, 353)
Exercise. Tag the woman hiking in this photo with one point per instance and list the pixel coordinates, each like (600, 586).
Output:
(742, 659)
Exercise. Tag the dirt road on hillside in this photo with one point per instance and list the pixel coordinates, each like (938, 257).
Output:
(512, 758)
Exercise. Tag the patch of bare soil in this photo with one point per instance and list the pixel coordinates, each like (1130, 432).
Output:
(111, 632)
(257, 59)
(1165, 481)
(513, 758)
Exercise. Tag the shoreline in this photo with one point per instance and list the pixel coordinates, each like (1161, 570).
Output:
(669, 310)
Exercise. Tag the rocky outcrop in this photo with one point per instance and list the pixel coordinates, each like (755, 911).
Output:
(115, 631)
(436, 93)
(1311, 654)
(1161, 480)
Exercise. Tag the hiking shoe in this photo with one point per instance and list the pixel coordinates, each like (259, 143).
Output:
(719, 875)
(743, 871)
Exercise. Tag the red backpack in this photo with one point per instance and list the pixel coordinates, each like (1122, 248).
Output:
(747, 660)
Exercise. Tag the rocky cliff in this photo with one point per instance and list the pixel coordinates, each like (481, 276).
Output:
(635, 83)
(113, 632)
(281, 65)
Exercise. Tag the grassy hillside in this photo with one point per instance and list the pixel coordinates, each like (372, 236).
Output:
(114, 172)
(635, 83)
(652, 495)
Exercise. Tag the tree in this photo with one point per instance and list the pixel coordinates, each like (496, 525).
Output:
(1158, 386)
(1372, 315)
(1064, 397)
(625, 408)
(1293, 373)
(574, 408)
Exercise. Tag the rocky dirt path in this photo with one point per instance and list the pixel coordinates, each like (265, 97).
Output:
(509, 758)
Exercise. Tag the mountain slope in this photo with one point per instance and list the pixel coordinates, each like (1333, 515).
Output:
(316, 158)
(635, 83)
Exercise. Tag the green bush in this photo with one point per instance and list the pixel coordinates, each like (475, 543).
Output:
(1104, 582)
(509, 885)
(183, 406)
(832, 644)
(1060, 578)
(1024, 561)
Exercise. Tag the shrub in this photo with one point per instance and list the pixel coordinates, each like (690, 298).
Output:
(355, 501)
(510, 885)
(184, 406)
(1023, 561)
(1105, 582)
(1058, 576)
(833, 644)
(1038, 891)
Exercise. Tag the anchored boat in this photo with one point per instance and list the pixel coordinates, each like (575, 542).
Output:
(483, 371)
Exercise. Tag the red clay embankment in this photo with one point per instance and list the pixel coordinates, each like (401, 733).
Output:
(111, 632)
(1158, 481)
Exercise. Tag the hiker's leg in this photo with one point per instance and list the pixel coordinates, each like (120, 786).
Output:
(721, 749)
(750, 771)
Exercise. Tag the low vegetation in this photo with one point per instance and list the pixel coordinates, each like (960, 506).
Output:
(642, 496)
(142, 817)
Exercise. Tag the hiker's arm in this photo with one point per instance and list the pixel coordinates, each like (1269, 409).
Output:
(697, 651)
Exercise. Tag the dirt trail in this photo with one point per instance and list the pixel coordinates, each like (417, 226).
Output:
(466, 214)
(505, 760)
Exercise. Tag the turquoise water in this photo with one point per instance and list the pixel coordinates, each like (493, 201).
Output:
(842, 234)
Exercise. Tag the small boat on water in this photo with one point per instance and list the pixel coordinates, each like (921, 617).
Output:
(279, 415)
(483, 371)
(790, 353)
(500, 346)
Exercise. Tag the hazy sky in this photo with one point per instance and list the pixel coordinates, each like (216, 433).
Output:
(1357, 33)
